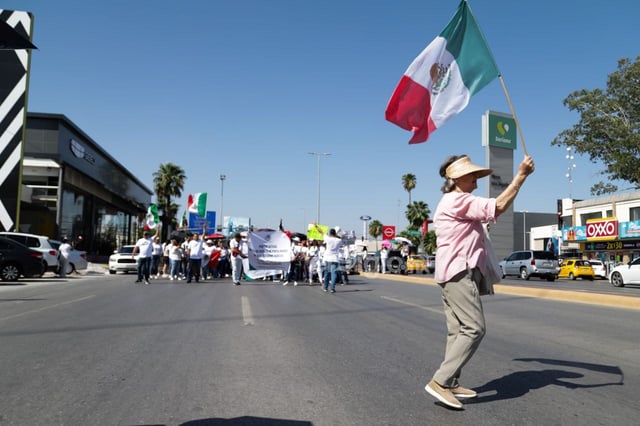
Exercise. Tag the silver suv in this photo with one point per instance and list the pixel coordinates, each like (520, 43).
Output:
(531, 263)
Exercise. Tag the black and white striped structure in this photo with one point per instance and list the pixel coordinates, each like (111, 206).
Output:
(14, 77)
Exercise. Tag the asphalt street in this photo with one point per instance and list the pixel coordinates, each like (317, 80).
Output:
(101, 350)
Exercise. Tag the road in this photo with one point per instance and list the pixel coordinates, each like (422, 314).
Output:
(101, 350)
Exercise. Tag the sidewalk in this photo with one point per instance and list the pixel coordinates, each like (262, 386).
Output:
(593, 298)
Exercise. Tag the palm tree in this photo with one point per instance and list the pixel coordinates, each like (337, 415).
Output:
(417, 212)
(168, 182)
(409, 183)
(375, 230)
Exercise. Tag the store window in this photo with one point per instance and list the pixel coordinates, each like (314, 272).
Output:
(587, 216)
(634, 213)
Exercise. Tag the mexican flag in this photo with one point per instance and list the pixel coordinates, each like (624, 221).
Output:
(152, 219)
(197, 203)
(441, 80)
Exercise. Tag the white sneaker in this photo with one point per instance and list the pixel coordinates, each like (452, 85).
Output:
(285, 283)
(171, 278)
(179, 279)
(295, 283)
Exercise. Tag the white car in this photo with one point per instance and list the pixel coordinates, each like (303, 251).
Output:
(40, 243)
(599, 270)
(626, 274)
(77, 258)
(122, 261)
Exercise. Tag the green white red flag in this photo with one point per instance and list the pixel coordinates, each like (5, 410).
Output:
(440, 82)
(197, 203)
(151, 218)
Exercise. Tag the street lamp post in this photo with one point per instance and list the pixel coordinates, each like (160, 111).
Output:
(222, 178)
(365, 219)
(318, 155)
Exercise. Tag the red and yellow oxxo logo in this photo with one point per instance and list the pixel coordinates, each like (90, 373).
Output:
(602, 229)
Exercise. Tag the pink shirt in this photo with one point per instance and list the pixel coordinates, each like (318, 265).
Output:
(460, 238)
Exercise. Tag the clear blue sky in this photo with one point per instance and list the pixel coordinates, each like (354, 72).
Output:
(248, 88)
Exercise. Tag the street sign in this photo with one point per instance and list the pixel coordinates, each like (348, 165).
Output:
(365, 217)
(389, 232)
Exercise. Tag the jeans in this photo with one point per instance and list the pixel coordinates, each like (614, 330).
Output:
(155, 263)
(330, 273)
(144, 264)
(194, 269)
(236, 265)
(174, 267)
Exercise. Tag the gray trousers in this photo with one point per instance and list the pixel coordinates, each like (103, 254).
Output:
(465, 324)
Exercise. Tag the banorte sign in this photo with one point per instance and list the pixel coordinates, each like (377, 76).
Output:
(602, 229)
(388, 232)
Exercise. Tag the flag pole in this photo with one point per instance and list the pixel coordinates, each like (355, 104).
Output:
(513, 112)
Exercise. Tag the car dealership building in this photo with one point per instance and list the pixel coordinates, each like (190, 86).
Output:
(71, 187)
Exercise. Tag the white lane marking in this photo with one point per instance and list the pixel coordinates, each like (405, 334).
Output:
(247, 316)
(426, 308)
(47, 307)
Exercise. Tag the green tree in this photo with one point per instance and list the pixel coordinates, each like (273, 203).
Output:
(168, 183)
(409, 183)
(430, 245)
(375, 230)
(609, 127)
(416, 213)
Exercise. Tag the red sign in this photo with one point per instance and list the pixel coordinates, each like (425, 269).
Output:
(388, 232)
(602, 229)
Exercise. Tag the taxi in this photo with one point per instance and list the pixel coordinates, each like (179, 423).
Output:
(576, 268)
(417, 262)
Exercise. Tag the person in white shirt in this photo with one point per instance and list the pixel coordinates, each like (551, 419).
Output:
(223, 260)
(194, 254)
(175, 258)
(384, 255)
(235, 246)
(65, 251)
(208, 250)
(331, 256)
(144, 249)
(156, 256)
(313, 257)
(294, 267)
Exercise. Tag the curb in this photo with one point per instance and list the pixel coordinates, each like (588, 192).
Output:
(602, 299)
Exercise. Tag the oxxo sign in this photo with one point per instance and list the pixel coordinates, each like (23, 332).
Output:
(602, 229)
(388, 232)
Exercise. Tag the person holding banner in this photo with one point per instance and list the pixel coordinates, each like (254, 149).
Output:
(462, 266)
(235, 246)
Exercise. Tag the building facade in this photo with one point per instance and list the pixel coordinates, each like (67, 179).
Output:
(71, 187)
(606, 228)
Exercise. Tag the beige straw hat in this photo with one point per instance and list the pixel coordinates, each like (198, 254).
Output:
(463, 166)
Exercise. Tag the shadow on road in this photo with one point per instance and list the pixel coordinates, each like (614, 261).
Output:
(517, 384)
(247, 421)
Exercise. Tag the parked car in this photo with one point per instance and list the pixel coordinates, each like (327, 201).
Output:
(77, 258)
(19, 260)
(40, 243)
(531, 263)
(599, 270)
(122, 261)
(576, 268)
(417, 263)
(431, 264)
(626, 274)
